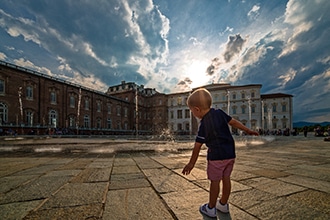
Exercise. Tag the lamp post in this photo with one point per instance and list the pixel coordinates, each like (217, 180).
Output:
(228, 104)
(136, 112)
(262, 116)
(250, 116)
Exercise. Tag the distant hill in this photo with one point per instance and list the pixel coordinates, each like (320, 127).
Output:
(301, 124)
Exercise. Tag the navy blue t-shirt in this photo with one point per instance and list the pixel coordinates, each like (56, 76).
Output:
(215, 133)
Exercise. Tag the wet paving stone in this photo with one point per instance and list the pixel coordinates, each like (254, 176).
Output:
(284, 179)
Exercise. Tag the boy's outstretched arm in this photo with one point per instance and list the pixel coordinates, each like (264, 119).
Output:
(237, 124)
(197, 147)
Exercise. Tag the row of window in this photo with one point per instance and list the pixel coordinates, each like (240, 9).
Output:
(179, 114)
(234, 110)
(234, 96)
(28, 120)
(53, 118)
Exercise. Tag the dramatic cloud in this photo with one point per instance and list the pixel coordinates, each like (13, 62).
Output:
(151, 42)
(213, 67)
(233, 47)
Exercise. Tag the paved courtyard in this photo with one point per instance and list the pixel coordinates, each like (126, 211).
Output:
(59, 178)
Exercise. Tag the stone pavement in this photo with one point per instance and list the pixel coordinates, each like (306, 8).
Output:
(288, 178)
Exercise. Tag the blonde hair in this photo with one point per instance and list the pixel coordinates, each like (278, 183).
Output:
(200, 98)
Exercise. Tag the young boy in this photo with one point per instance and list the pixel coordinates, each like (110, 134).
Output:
(214, 132)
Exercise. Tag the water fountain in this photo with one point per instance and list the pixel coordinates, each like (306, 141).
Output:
(78, 111)
(250, 113)
(20, 102)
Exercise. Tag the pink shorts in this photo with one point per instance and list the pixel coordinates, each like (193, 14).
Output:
(217, 169)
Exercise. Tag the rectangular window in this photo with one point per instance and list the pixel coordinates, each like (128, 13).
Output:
(274, 108)
(86, 104)
(171, 114)
(53, 97)
(2, 86)
(109, 109)
(72, 101)
(29, 92)
(179, 113)
(187, 113)
(118, 110)
(283, 108)
(98, 107)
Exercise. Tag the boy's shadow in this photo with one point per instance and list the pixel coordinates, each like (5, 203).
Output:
(220, 216)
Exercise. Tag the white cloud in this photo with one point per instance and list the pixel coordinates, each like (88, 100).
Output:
(302, 16)
(3, 56)
(254, 12)
(30, 65)
(287, 77)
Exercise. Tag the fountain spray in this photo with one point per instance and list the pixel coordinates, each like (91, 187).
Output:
(20, 101)
(78, 109)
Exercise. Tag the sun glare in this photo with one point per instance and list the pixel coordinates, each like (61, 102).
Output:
(196, 72)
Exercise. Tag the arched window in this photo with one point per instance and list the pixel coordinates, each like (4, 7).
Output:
(86, 121)
(109, 123)
(72, 121)
(99, 123)
(29, 118)
(3, 113)
(52, 118)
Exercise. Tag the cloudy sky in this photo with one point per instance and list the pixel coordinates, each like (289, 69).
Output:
(176, 45)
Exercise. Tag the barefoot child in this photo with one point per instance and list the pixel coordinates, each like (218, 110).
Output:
(214, 132)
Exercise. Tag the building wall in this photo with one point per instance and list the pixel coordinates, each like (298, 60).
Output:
(179, 116)
(30, 100)
(33, 100)
(244, 103)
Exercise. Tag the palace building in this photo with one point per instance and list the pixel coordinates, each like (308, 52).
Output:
(32, 102)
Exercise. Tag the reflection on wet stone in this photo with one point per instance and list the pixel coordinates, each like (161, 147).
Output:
(286, 178)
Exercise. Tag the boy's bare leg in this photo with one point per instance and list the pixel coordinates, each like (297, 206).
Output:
(226, 188)
(214, 193)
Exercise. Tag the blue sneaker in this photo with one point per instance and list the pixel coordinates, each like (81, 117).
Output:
(204, 209)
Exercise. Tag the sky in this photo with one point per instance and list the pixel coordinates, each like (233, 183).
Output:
(177, 45)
